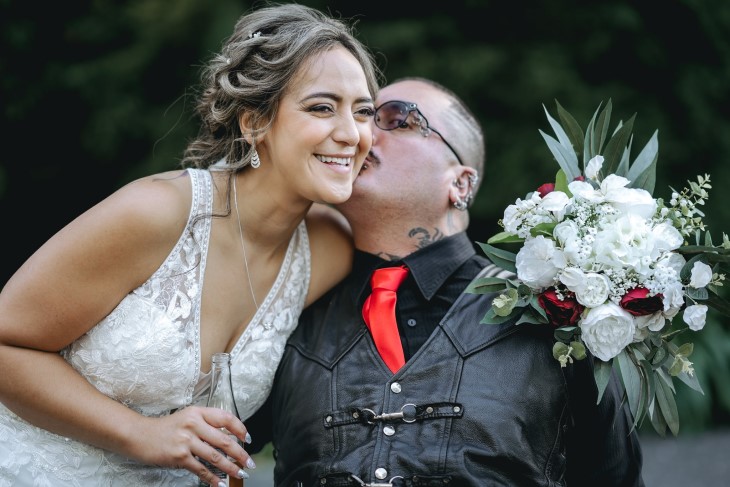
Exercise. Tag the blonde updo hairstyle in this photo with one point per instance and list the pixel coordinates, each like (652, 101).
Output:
(267, 49)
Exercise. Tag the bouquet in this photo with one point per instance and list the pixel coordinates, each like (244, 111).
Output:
(609, 266)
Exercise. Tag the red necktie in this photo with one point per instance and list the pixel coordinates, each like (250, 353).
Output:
(379, 314)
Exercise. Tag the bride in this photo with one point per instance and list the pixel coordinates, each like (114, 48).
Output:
(107, 331)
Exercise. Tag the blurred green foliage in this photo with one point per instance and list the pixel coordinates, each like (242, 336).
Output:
(97, 93)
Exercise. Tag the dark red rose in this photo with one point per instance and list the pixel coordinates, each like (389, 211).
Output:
(639, 303)
(545, 189)
(560, 312)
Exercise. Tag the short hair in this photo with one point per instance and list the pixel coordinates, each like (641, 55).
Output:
(252, 72)
(469, 140)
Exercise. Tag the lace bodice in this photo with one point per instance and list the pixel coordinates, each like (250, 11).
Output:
(146, 355)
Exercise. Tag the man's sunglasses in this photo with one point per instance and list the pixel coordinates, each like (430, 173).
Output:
(394, 114)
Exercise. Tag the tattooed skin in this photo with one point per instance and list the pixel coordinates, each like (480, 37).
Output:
(424, 236)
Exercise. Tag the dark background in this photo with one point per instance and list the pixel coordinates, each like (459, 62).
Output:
(96, 94)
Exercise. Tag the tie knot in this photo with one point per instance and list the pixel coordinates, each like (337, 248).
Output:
(388, 278)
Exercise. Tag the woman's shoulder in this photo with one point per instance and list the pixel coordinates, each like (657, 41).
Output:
(331, 247)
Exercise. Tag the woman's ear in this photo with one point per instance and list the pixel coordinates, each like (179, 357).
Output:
(246, 127)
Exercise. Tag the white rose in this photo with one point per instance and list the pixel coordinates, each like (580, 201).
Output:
(626, 242)
(666, 237)
(627, 200)
(653, 322)
(594, 290)
(573, 278)
(701, 275)
(695, 316)
(555, 202)
(593, 167)
(606, 330)
(538, 262)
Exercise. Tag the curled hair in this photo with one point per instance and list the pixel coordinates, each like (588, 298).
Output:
(250, 76)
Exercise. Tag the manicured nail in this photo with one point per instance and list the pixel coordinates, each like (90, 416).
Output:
(221, 484)
(242, 474)
(248, 439)
(250, 463)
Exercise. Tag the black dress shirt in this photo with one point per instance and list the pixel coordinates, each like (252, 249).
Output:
(437, 276)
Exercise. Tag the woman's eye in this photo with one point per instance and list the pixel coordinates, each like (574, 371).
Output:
(321, 108)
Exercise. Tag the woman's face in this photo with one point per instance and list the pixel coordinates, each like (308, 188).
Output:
(322, 131)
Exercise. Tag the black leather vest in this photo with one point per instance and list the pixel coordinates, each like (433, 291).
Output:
(477, 405)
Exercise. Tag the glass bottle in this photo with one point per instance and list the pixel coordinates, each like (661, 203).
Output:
(221, 396)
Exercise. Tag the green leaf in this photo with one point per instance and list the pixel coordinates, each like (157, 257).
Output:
(623, 166)
(531, 316)
(544, 229)
(505, 237)
(572, 129)
(491, 318)
(564, 333)
(632, 381)
(558, 129)
(642, 173)
(501, 258)
(649, 385)
(615, 146)
(719, 303)
(691, 381)
(602, 374)
(561, 183)
(599, 136)
(566, 158)
(668, 406)
(486, 285)
(657, 419)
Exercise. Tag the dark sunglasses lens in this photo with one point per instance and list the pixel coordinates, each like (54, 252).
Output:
(391, 115)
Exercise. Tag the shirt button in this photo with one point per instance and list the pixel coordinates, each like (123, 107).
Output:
(395, 387)
(381, 473)
(389, 430)
(411, 322)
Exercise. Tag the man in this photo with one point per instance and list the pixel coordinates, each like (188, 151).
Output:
(474, 404)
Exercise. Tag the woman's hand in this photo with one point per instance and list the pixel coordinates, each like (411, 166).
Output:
(187, 437)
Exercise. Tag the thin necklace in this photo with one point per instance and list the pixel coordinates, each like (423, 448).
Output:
(243, 245)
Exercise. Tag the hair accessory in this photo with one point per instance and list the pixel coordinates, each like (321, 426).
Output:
(254, 34)
(460, 204)
(255, 161)
(228, 61)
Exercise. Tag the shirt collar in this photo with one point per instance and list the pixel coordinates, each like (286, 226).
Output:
(429, 266)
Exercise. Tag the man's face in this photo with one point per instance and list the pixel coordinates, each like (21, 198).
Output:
(406, 171)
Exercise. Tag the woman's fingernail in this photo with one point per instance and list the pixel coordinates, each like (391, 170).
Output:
(242, 474)
(250, 463)
(248, 438)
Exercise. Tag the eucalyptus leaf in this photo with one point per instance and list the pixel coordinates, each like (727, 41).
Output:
(602, 124)
(566, 159)
(505, 237)
(602, 375)
(631, 379)
(668, 406)
(486, 285)
(559, 132)
(572, 128)
(657, 419)
(616, 145)
(698, 294)
(491, 318)
(642, 173)
(501, 258)
(719, 303)
(691, 381)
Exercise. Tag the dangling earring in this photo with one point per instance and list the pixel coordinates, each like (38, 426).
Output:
(460, 204)
(255, 161)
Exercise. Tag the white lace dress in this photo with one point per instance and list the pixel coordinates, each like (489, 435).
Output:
(146, 355)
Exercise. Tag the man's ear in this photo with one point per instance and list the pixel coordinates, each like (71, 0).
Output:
(461, 191)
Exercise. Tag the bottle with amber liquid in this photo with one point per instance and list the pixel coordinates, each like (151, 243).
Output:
(221, 397)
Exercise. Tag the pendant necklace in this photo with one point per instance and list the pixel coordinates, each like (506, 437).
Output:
(243, 247)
